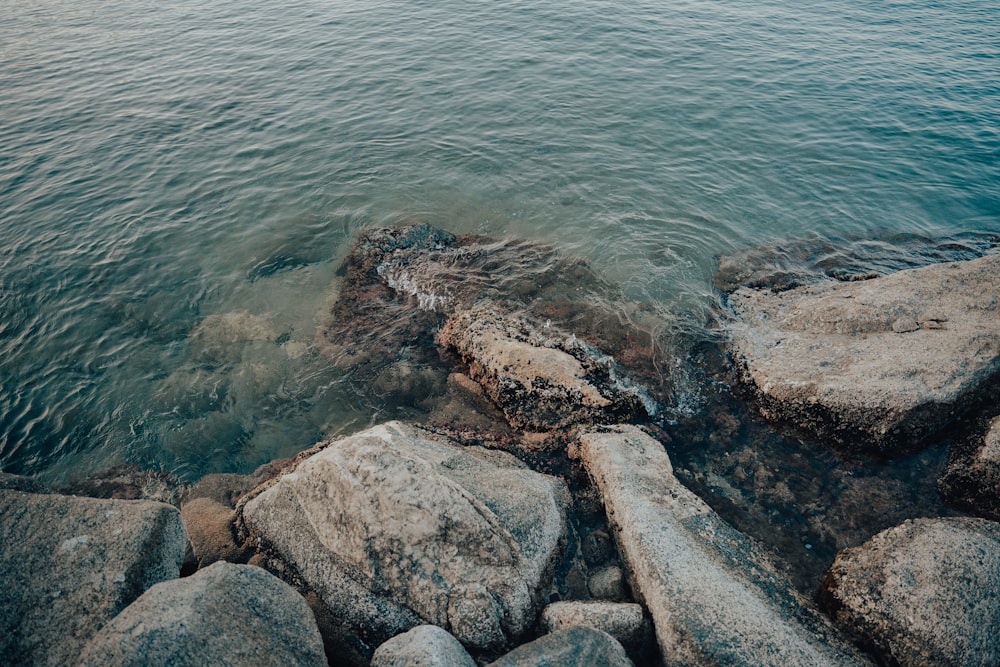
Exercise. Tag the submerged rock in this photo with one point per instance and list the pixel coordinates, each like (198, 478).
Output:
(541, 379)
(395, 527)
(402, 283)
(68, 565)
(925, 593)
(423, 646)
(877, 364)
(233, 615)
(129, 482)
(577, 645)
(971, 481)
(715, 598)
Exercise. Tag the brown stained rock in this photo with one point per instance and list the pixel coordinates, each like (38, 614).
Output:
(68, 565)
(925, 593)
(971, 480)
(129, 482)
(395, 527)
(209, 526)
(542, 379)
(879, 364)
(231, 615)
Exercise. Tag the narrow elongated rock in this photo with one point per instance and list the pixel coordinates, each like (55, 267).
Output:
(395, 527)
(68, 565)
(875, 364)
(714, 597)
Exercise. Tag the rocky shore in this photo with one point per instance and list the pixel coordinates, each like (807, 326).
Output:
(538, 515)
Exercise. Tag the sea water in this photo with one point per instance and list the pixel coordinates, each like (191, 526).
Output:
(179, 182)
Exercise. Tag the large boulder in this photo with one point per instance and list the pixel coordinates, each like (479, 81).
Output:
(577, 645)
(878, 364)
(542, 378)
(68, 565)
(395, 527)
(971, 480)
(925, 593)
(232, 615)
(715, 598)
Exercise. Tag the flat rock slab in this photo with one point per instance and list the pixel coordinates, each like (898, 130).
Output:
(924, 593)
(227, 615)
(714, 597)
(540, 377)
(876, 364)
(971, 480)
(395, 527)
(69, 564)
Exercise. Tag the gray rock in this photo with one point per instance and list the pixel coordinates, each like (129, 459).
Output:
(423, 646)
(924, 593)
(68, 565)
(223, 615)
(623, 621)
(578, 645)
(879, 363)
(971, 480)
(395, 527)
(715, 598)
(542, 378)
(608, 583)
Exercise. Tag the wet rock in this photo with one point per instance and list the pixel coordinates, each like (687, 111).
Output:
(714, 596)
(223, 615)
(541, 379)
(224, 488)
(423, 646)
(792, 263)
(129, 482)
(68, 565)
(971, 481)
(395, 527)
(608, 583)
(924, 593)
(209, 526)
(220, 338)
(623, 621)
(878, 364)
(21, 483)
(578, 645)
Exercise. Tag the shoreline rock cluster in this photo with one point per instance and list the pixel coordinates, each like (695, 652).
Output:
(408, 544)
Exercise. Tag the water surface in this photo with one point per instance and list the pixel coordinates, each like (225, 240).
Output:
(172, 174)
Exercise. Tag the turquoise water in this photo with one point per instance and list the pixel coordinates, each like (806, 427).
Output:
(156, 158)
